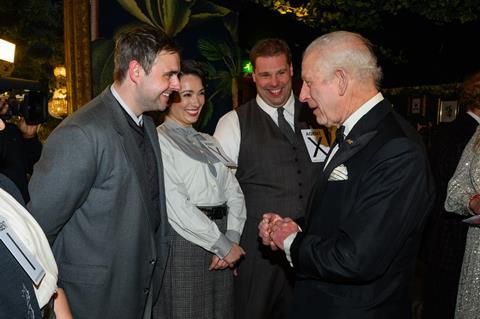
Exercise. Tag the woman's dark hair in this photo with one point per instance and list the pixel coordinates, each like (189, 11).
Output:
(190, 67)
(194, 68)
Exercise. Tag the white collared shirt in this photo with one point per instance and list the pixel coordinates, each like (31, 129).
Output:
(354, 118)
(228, 133)
(189, 184)
(138, 120)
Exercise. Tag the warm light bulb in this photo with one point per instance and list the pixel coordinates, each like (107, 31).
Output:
(60, 71)
(7, 51)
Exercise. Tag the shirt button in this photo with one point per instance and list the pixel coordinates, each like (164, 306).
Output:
(296, 159)
(300, 196)
(299, 172)
(300, 184)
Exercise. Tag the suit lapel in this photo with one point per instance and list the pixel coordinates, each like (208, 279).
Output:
(360, 135)
(132, 153)
(152, 136)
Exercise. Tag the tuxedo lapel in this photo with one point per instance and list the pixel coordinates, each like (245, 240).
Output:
(359, 137)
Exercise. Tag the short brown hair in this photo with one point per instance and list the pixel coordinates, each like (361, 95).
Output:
(270, 47)
(141, 43)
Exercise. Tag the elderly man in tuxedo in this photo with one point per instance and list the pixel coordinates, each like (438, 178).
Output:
(98, 190)
(354, 255)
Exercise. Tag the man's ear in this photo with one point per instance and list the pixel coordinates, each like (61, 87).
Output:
(134, 70)
(342, 80)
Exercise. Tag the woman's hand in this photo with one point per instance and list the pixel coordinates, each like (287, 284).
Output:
(217, 263)
(236, 252)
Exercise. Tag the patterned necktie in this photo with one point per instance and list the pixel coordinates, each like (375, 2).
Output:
(285, 127)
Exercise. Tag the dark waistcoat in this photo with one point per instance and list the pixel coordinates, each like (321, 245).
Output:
(274, 174)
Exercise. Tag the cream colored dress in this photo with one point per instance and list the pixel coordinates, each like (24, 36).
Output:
(464, 184)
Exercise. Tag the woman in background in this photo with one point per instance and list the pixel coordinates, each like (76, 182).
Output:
(463, 197)
(205, 207)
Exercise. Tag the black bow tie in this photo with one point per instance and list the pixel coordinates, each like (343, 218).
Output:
(339, 137)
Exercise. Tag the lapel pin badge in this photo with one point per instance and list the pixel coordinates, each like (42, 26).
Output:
(349, 141)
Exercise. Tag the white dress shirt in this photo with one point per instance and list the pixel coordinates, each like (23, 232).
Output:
(348, 124)
(190, 183)
(227, 131)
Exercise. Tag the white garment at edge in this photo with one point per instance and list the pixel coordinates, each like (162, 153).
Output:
(32, 236)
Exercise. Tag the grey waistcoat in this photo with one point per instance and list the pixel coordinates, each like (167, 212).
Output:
(274, 174)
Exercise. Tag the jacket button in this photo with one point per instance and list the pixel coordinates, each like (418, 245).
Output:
(146, 291)
(152, 262)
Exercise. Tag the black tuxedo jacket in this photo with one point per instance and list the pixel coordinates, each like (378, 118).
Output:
(356, 255)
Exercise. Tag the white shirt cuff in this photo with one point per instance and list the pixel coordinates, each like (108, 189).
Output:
(286, 246)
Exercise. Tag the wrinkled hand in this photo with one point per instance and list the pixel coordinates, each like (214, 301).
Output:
(217, 263)
(281, 229)
(474, 205)
(236, 252)
(28, 131)
(265, 229)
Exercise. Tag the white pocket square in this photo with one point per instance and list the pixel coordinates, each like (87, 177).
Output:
(339, 173)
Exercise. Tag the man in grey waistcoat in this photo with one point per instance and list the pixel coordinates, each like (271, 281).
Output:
(97, 190)
(274, 171)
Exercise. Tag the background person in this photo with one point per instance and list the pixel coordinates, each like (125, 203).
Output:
(463, 198)
(264, 138)
(21, 149)
(446, 233)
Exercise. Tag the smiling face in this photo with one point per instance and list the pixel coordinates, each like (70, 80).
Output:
(155, 87)
(273, 78)
(192, 98)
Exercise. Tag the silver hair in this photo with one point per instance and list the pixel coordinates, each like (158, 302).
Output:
(349, 51)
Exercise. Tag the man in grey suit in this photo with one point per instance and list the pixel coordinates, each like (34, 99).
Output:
(97, 190)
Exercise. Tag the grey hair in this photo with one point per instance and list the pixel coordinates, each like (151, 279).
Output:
(349, 51)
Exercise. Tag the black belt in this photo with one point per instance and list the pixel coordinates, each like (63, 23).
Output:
(214, 212)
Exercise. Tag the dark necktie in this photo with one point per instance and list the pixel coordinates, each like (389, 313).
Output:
(285, 127)
(339, 137)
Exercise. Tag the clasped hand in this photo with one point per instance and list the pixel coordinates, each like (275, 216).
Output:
(236, 252)
(273, 229)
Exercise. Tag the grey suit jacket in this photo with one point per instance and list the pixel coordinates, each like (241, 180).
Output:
(88, 194)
